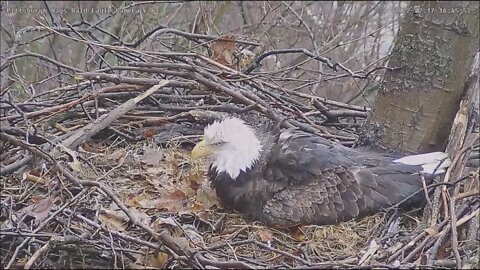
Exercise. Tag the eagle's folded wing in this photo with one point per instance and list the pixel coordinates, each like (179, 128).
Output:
(327, 184)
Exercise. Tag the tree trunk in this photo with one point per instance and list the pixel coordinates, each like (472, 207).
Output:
(434, 50)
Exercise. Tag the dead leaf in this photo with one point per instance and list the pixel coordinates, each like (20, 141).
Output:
(246, 58)
(115, 212)
(195, 180)
(161, 259)
(223, 49)
(158, 181)
(196, 207)
(135, 200)
(161, 222)
(40, 209)
(147, 203)
(168, 200)
(156, 175)
(75, 165)
(34, 179)
(194, 236)
(142, 217)
(149, 133)
(156, 260)
(182, 242)
(114, 219)
(135, 175)
(265, 235)
(187, 190)
(151, 156)
(93, 148)
(35, 172)
(207, 197)
(171, 201)
(229, 230)
(79, 77)
(432, 230)
(117, 154)
(297, 233)
(203, 215)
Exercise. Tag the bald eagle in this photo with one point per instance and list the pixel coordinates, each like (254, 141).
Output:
(289, 178)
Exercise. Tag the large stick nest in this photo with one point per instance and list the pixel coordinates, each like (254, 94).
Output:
(95, 169)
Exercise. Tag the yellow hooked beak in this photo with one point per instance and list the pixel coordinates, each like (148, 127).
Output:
(201, 150)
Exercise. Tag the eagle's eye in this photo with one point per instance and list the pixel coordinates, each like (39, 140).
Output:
(218, 143)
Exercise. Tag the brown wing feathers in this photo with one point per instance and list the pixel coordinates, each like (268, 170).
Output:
(336, 198)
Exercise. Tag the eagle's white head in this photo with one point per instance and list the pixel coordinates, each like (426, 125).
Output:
(233, 144)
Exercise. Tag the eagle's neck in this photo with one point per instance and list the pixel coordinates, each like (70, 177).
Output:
(239, 155)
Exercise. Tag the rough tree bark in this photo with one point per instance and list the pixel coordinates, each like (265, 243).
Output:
(435, 48)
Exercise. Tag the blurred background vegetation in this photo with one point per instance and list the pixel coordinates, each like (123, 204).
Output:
(356, 34)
